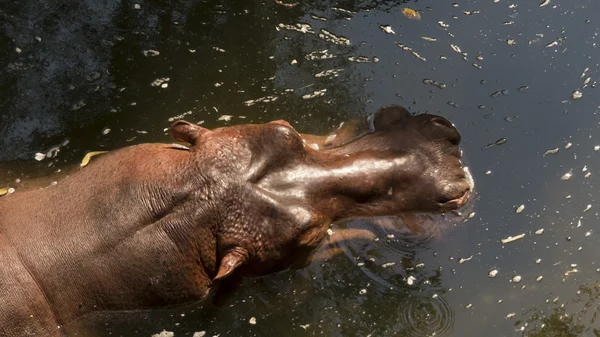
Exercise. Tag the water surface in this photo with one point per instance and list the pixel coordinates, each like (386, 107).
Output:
(497, 69)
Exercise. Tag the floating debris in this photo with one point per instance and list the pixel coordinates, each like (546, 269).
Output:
(544, 3)
(539, 278)
(551, 151)
(304, 326)
(387, 28)
(539, 231)
(576, 95)
(411, 280)
(266, 99)
(516, 279)
(414, 53)
(443, 24)
(493, 273)
(520, 209)
(3, 191)
(463, 260)
(299, 27)
(387, 265)
(538, 261)
(434, 83)
(225, 118)
(330, 37)
(511, 42)
(511, 315)
(319, 55)
(456, 48)
(329, 73)
(513, 238)
(252, 320)
(151, 52)
(39, 156)
(587, 208)
(317, 93)
(568, 146)
(567, 175)
(279, 2)
(411, 13)
(430, 39)
(88, 156)
(362, 291)
(498, 142)
(361, 59)
(342, 10)
(160, 82)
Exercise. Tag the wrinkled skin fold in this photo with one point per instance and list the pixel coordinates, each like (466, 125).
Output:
(154, 225)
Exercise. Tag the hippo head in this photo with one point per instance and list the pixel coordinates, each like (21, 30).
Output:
(277, 194)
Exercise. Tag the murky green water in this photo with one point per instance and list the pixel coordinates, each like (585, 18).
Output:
(508, 69)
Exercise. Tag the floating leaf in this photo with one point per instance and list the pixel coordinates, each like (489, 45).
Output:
(86, 159)
(3, 191)
(411, 13)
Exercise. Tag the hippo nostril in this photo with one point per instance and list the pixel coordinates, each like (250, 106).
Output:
(448, 130)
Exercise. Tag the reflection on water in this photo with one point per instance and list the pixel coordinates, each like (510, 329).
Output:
(517, 78)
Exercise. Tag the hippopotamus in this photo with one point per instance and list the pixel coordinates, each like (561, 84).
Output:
(155, 225)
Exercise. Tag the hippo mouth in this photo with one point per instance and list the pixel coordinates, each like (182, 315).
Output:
(462, 200)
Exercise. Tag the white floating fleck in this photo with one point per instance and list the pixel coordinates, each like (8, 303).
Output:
(468, 306)
(551, 151)
(538, 261)
(539, 231)
(304, 326)
(387, 265)
(511, 315)
(576, 95)
(252, 320)
(294, 62)
(39, 156)
(330, 37)
(463, 260)
(513, 238)
(597, 147)
(317, 93)
(568, 146)
(430, 39)
(588, 233)
(587, 208)
(226, 118)
(539, 278)
(488, 172)
(411, 280)
(516, 279)
(443, 25)
(567, 176)
(520, 209)
(151, 52)
(199, 334)
(493, 273)
(362, 291)
(544, 3)
(329, 232)
(387, 28)
(299, 27)
(137, 6)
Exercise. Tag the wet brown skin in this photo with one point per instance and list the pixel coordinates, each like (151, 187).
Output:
(153, 225)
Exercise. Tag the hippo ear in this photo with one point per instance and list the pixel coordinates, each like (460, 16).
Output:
(185, 131)
(232, 260)
(385, 118)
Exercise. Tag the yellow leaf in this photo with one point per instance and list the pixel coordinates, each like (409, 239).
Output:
(411, 13)
(3, 191)
(86, 159)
